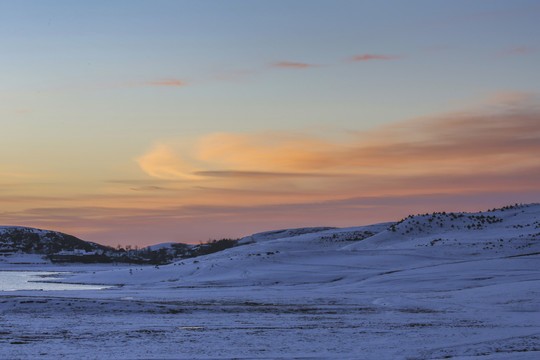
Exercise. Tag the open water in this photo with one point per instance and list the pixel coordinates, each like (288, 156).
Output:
(38, 280)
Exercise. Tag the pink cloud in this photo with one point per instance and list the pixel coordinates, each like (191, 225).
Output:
(519, 50)
(367, 57)
(293, 65)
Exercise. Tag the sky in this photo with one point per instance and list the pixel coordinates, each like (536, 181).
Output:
(141, 122)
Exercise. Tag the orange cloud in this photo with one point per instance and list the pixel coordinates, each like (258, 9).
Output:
(367, 57)
(265, 151)
(294, 65)
(193, 189)
(162, 162)
(455, 143)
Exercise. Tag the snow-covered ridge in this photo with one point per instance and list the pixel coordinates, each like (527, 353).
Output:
(511, 227)
(63, 248)
(165, 245)
(4, 229)
(432, 286)
(18, 239)
(321, 255)
(280, 234)
(506, 230)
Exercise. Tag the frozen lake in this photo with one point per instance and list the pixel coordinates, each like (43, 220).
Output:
(37, 280)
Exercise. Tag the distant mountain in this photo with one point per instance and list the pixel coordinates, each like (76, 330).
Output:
(46, 242)
(60, 247)
(510, 230)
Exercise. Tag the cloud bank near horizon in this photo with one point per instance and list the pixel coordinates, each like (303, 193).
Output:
(472, 143)
(247, 182)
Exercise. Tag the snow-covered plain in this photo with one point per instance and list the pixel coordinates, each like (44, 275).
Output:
(433, 286)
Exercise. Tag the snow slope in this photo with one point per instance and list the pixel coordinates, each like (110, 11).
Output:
(166, 245)
(319, 255)
(18, 239)
(431, 286)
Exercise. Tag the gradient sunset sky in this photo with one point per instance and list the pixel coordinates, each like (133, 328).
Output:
(140, 122)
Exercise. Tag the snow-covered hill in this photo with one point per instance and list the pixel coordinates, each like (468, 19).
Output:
(512, 229)
(27, 240)
(30, 245)
(323, 255)
(432, 286)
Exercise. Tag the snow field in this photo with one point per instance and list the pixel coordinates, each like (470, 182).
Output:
(420, 289)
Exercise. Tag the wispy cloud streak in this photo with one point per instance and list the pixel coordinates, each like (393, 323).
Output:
(294, 65)
(370, 57)
(518, 50)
